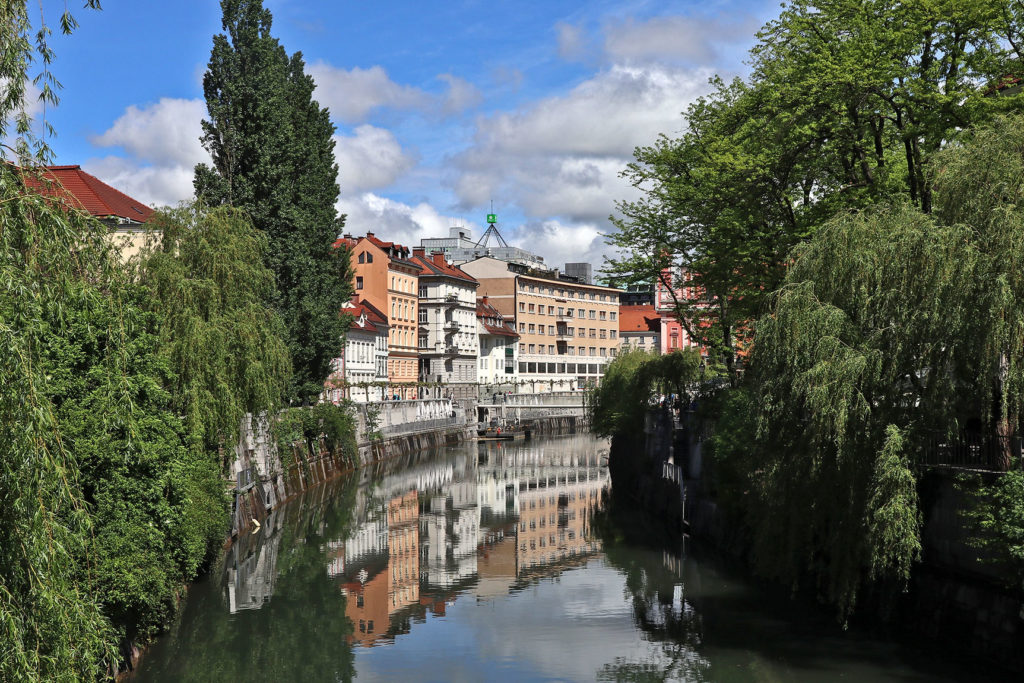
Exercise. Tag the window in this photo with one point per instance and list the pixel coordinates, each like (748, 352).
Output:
(522, 348)
(593, 314)
(362, 257)
(561, 310)
(570, 331)
(522, 328)
(583, 350)
(423, 316)
(392, 282)
(603, 352)
(540, 310)
(551, 310)
(613, 334)
(582, 313)
(540, 329)
(359, 281)
(582, 331)
(602, 334)
(531, 308)
(423, 292)
(601, 315)
(423, 341)
(551, 348)
(593, 333)
(593, 351)
(369, 257)
(522, 307)
(531, 347)
(532, 328)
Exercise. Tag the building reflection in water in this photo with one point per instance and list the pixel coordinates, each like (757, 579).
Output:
(436, 530)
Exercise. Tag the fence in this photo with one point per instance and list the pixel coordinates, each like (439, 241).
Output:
(973, 452)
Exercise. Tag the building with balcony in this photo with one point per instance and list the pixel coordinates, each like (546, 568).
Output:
(387, 278)
(568, 330)
(361, 371)
(498, 346)
(448, 341)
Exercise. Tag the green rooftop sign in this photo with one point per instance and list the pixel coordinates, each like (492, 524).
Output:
(492, 218)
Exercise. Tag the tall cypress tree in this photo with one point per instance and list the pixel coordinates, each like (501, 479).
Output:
(273, 155)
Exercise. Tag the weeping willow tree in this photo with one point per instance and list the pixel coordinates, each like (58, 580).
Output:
(51, 261)
(892, 327)
(226, 347)
(618, 405)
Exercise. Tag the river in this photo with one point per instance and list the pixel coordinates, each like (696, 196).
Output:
(499, 562)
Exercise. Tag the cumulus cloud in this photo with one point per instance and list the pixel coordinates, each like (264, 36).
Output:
(561, 156)
(370, 159)
(560, 243)
(161, 143)
(352, 95)
(688, 39)
(461, 95)
(394, 220)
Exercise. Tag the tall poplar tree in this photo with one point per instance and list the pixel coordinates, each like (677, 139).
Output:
(273, 156)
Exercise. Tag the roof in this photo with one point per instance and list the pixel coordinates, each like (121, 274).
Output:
(435, 264)
(484, 310)
(89, 193)
(358, 308)
(638, 319)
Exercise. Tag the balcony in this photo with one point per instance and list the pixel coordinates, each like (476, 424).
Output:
(450, 326)
(451, 350)
(565, 317)
(564, 336)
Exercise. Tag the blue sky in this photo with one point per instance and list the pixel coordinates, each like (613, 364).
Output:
(440, 108)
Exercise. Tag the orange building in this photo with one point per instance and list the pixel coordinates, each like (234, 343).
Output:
(389, 280)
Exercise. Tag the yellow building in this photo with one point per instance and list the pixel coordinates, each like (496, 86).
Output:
(568, 330)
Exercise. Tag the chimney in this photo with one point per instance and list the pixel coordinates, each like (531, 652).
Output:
(438, 258)
(419, 252)
(347, 236)
(485, 300)
(369, 234)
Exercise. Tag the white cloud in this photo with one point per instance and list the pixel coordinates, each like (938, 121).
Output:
(167, 131)
(395, 221)
(560, 243)
(691, 39)
(351, 94)
(161, 141)
(461, 95)
(561, 156)
(571, 43)
(370, 159)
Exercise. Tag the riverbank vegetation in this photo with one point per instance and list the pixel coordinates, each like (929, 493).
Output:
(854, 209)
(122, 384)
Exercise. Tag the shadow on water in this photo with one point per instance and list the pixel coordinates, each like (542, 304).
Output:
(713, 622)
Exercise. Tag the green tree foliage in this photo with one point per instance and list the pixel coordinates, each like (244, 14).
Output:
(848, 104)
(997, 521)
(625, 394)
(209, 286)
(272, 150)
(53, 263)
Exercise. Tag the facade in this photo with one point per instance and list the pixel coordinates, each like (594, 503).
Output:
(388, 279)
(125, 217)
(583, 272)
(568, 331)
(498, 346)
(673, 286)
(361, 371)
(447, 332)
(640, 328)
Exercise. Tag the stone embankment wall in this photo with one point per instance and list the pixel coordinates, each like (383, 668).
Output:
(955, 597)
(265, 477)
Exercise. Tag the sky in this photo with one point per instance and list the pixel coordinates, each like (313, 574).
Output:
(440, 108)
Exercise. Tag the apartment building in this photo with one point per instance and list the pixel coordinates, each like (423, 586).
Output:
(361, 371)
(640, 328)
(498, 346)
(447, 334)
(387, 278)
(568, 330)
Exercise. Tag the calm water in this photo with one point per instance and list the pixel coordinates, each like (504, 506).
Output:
(497, 562)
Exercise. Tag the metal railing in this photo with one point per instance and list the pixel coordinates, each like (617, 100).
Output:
(459, 420)
(973, 452)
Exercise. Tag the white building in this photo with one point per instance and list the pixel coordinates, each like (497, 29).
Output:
(361, 372)
(448, 341)
(498, 357)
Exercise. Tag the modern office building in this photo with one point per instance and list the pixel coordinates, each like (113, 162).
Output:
(459, 247)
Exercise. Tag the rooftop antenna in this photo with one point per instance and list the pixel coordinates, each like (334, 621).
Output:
(492, 230)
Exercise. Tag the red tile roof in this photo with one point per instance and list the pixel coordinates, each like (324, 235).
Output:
(638, 319)
(435, 264)
(91, 194)
(484, 311)
(356, 308)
